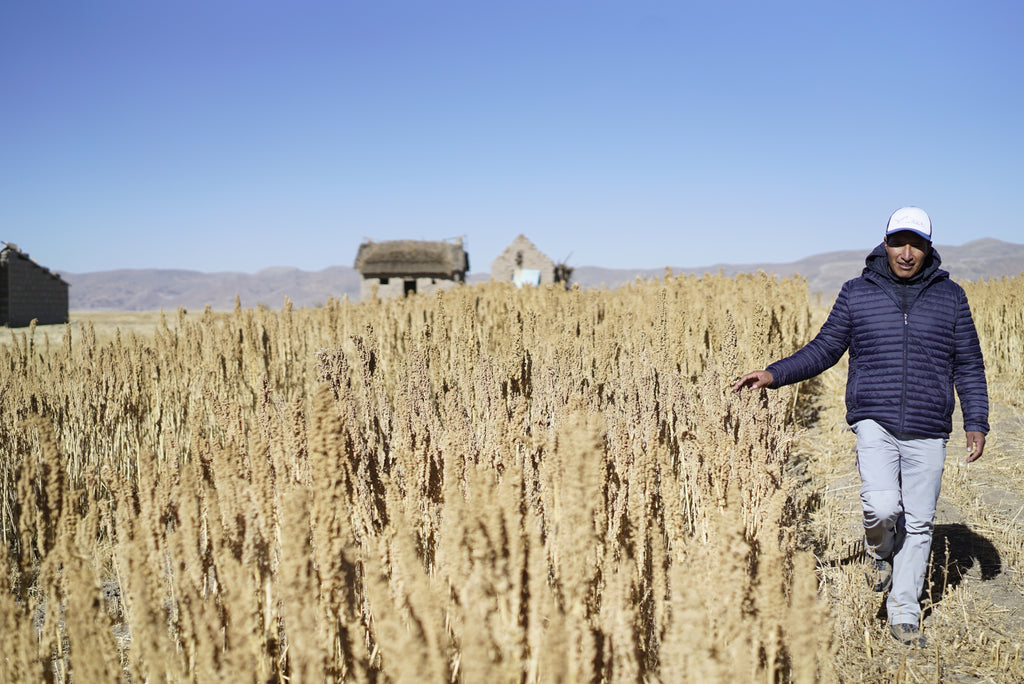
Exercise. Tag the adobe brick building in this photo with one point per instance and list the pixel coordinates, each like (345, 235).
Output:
(523, 264)
(29, 291)
(396, 268)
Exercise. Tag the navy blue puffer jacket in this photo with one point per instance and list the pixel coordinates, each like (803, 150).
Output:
(911, 343)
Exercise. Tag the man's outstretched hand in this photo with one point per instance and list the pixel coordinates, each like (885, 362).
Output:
(975, 445)
(762, 378)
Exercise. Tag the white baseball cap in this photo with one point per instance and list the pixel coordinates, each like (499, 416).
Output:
(910, 218)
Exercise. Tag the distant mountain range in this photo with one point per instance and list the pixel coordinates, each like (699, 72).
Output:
(151, 289)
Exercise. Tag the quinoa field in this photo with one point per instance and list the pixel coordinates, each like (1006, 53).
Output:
(489, 484)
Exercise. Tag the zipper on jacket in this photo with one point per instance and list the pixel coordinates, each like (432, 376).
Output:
(905, 306)
(903, 398)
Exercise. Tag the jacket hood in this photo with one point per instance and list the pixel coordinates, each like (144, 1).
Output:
(878, 262)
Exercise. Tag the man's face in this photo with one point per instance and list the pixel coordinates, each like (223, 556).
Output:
(906, 251)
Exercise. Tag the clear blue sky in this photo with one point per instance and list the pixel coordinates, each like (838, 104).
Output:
(234, 136)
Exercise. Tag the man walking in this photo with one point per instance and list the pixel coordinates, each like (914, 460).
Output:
(912, 340)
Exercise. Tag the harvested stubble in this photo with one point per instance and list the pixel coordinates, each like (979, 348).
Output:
(489, 484)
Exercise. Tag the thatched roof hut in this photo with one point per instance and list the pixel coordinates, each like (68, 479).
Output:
(412, 259)
(401, 267)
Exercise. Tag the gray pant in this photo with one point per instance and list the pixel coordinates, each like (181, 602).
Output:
(900, 481)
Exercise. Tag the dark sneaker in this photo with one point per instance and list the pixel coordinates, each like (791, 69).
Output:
(908, 635)
(879, 574)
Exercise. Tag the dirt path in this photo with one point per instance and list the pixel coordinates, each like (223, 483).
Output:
(974, 604)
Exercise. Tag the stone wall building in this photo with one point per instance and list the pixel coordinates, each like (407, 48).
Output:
(396, 268)
(28, 291)
(523, 264)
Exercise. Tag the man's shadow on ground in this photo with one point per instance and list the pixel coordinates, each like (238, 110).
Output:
(955, 551)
